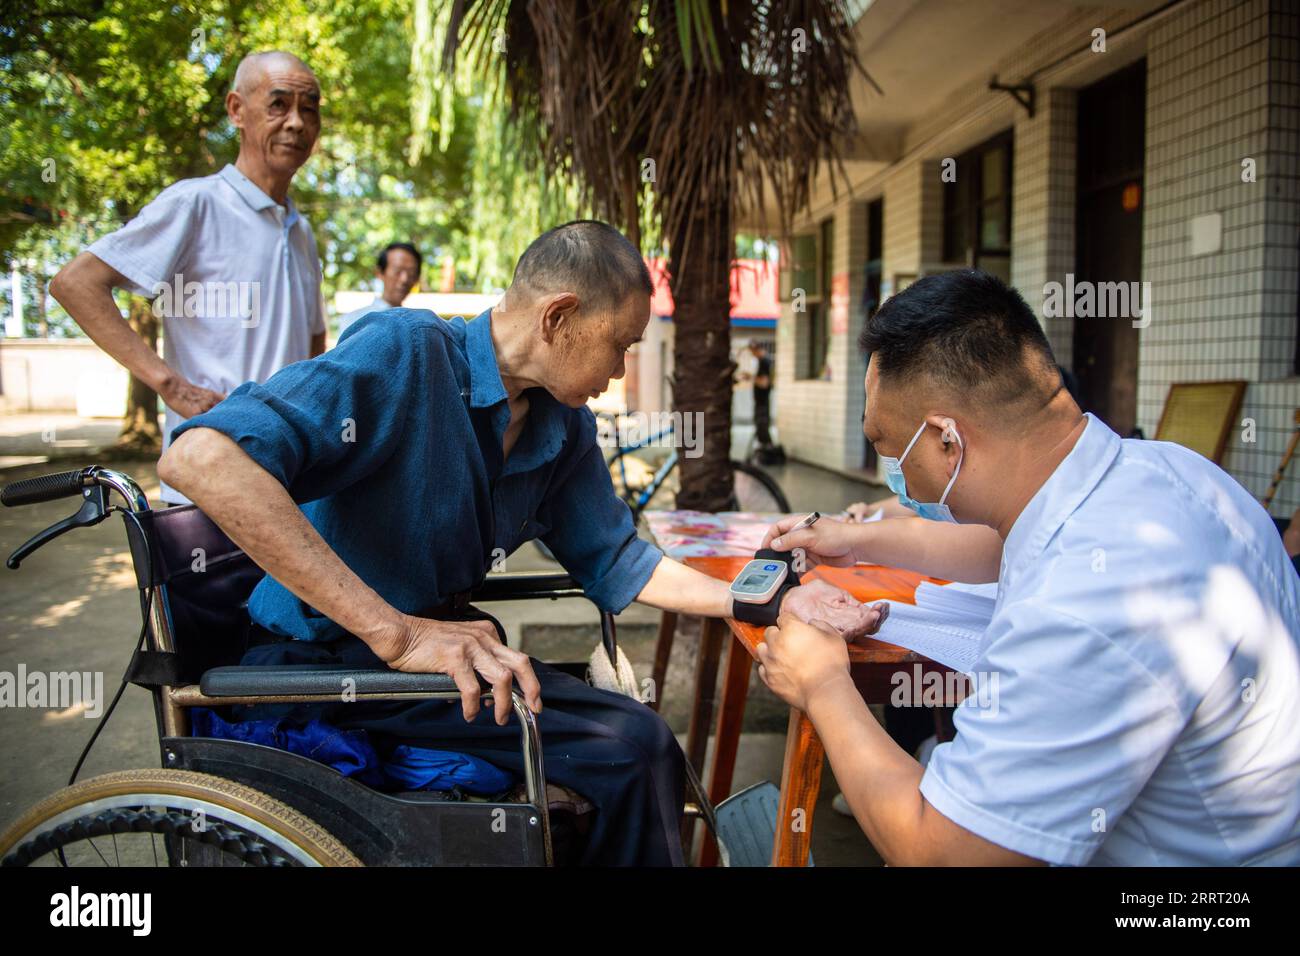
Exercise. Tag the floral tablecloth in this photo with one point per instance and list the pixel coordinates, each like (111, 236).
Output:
(691, 534)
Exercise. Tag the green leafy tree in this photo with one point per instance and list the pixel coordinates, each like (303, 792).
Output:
(107, 102)
(670, 117)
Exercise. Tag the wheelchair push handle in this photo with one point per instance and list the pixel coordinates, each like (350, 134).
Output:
(32, 491)
(92, 485)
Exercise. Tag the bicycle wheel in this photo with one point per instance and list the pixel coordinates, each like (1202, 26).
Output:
(167, 818)
(756, 490)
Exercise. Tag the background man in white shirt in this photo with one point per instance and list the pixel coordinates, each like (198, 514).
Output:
(1144, 650)
(231, 265)
(399, 270)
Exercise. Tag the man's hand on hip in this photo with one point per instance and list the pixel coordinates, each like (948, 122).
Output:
(463, 649)
(188, 399)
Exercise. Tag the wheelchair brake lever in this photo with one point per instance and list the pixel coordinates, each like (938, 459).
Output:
(94, 509)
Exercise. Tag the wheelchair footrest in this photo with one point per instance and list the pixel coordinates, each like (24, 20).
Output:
(747, 825)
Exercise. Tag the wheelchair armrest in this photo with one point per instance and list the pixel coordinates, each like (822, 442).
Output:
(522, 585)
(288, 679)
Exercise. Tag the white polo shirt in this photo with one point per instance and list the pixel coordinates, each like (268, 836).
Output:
(234, 275)
(1144, 654)
(379, 304)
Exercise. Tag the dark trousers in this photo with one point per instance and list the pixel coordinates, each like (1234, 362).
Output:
(613, 750)
(763, 415)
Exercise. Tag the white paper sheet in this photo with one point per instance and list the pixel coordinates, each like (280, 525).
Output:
(946, 624)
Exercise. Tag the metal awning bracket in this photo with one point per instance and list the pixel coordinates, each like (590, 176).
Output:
(1023, 93)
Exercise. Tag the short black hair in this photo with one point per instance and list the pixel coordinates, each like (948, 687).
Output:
(406, 246)
(587, 257)
(966, 330)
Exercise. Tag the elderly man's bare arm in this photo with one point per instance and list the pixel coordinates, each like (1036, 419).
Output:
(85, 288)
(258, 514)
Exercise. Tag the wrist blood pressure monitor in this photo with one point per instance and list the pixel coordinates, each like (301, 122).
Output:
(759, 580)
(761, 584)
(759, 587)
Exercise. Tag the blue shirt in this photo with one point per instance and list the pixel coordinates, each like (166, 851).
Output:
(392, 444)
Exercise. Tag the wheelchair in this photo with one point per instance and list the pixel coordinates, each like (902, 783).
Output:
(221, 802)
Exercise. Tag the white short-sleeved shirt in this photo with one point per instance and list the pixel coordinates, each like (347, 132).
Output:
(378, 305)
(1143, 657)
(236, 277)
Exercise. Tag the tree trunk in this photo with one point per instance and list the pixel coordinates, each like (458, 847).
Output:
(141, 433)
(42, 314)
(702, 366)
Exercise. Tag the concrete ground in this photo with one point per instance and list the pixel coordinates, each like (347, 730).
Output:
(72, 606)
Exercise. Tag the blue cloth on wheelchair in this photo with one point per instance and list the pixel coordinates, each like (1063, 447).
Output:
(352, 754)
(417, 768)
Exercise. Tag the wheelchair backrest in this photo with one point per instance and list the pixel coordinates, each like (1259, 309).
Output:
(207, 582)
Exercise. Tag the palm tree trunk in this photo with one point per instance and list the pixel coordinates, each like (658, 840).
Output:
(702, 366)
(141, 433)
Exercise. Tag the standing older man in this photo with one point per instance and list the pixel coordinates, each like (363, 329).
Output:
(231, 265)
(398, 270)
(421, 451)
(1144, 651)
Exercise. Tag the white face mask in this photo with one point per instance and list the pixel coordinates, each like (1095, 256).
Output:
(898, 484)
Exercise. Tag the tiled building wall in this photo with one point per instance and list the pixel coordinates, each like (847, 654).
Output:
(812, 415)
(1232, 313)
(1042, 208)
(902, 233)
(1223, 84)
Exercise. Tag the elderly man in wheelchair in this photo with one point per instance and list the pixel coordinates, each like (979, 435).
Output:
(362, 497)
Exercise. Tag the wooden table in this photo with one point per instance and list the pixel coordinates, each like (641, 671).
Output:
(872, 664)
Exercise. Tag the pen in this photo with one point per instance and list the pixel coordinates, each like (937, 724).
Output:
(807, 522)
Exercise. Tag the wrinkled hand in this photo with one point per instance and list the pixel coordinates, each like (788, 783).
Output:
(826, 542)
(188, 399)
(463, 649)
(819, 601)
(797, 660)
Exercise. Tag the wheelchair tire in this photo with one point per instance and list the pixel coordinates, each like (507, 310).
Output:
(238, 823)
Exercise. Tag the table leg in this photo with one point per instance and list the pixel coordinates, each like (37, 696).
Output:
(713, 631)
(801, 781)
(726, 738)
(663, 648)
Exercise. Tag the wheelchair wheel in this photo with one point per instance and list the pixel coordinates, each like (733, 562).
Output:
(167, 818)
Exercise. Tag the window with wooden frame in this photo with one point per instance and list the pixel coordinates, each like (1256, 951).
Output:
(807, 285)
(977, 208)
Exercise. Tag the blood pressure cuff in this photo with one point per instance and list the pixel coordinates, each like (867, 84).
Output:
(765, 615)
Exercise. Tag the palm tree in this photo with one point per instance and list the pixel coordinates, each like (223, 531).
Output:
(676, 117)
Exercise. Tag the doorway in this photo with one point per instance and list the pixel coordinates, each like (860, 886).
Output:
(873, 273)
(1108, 216)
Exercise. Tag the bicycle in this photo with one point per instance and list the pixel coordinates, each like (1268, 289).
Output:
(753, 489)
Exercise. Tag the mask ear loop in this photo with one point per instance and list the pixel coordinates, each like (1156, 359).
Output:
(950, 434)
(911, 443)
